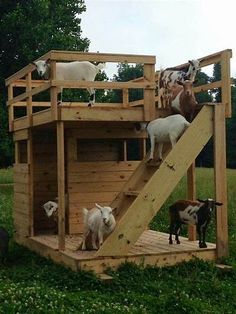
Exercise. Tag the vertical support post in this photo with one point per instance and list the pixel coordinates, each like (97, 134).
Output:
(125, 150)
(10, 109)
(61, 185)
(191, 195)
(226, 84)
(220, 181)
(31, 181)
(143, 148)
(29, 99)
(125, 94)
(149, 94)
(17, 153)
(53, 92)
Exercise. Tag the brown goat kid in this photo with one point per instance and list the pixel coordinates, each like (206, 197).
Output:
(183, 100)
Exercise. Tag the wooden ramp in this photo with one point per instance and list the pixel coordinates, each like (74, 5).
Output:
(151, 188)
(152, 248)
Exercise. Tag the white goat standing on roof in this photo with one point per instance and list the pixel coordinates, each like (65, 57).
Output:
(76, 70)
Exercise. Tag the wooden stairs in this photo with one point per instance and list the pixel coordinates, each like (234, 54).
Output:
(149, 186)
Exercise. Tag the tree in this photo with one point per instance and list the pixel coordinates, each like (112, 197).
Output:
(126, 73)
(28, 29)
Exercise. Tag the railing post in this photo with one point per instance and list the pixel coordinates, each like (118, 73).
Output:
(226, 84)
(220, 181)
(53, 92)
(29, 99)
(149, 94)
(125, 94)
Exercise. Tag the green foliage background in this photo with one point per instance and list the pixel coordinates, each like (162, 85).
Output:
(28, 29)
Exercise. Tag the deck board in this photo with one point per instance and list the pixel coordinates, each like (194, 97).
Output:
(152, 248)
(151, 242)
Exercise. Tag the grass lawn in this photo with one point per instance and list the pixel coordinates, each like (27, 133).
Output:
(32, 284)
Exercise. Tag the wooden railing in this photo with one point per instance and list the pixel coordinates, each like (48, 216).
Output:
(32, 87)
(148, 83)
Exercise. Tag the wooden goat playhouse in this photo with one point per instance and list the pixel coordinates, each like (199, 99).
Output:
(82, 155)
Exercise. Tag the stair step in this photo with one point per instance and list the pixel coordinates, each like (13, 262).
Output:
(131, 193)
(153, 164)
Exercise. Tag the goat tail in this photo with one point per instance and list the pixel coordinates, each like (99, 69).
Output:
(187, 124)
(101, 66)
(140, 126)
(85, 213)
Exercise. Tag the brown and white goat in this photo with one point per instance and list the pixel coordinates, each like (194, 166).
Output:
(183, 100)
(194, 213)
(170, 76)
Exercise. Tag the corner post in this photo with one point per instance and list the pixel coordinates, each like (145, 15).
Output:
(10, 108)
(220, 181)
(61, 185)
(226, 84)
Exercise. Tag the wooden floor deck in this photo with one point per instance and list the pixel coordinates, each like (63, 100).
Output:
(152, 248)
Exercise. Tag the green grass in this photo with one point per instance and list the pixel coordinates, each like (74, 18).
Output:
(32, 284)
(6, 176)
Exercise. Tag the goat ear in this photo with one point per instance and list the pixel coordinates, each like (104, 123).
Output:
(114, 209)
(195, 81)
(190, 61)
(218, 203)
(180, 83)
(33, 63)
(47, 61)
(201, 201)
(98, 206)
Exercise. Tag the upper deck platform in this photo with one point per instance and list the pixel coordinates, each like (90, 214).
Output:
(22, 91)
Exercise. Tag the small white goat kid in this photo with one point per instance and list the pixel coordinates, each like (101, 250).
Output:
(98, 221)
(76, 70)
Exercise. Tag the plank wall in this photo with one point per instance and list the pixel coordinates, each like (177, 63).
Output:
(45, 176)
(96, 174)
(21, 199)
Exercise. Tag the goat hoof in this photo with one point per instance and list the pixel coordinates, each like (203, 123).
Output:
(178, 242)
(202, 245)
(89, 105)
(170, 242)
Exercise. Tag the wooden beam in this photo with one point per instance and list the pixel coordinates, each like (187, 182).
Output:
(21, 135)
(61, 185)
(31, 181)
(206, 87)
(226, 82)
(125, 96)
(220, 181)
(100, 57)
(102, 84)
(10, 108)
(54, 92)
(149, 95)
(149, 201)
(29, 99)
(23, 83)
(33, 92)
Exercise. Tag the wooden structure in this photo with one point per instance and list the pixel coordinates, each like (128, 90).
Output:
(82, 155)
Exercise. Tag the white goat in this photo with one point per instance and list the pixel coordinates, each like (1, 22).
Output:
(98, 221)
(51, 209)
(164, 130)
(76, 70)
